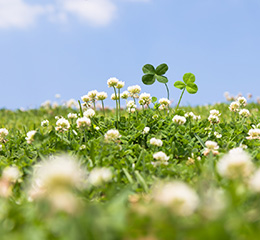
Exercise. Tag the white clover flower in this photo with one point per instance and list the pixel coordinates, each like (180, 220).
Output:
(217, 135)
(56, 174)
(97, 128)
(254, 182)
(253, 134)
(55, 105)
(57, 95)
(163, 107)
(62, 125)
(213, 119)
(83, 122)
(244, 113)
(178, 196)
(99, 176)
(82, 147)
(134, 90)
(71, 103)
(112, 82)
(214, 112)
(45, 123)
(235, 164)
(211, 146)
(164, 101)
(11, 174)
(242, 101)
(145, 99)
(92, 94)
(131, 110)
(124, 95)
(46, 104)
(190, 115)
(179, 119)
(114, 97)
(85, 98)
(72, 115)
(89, 113)
(234, 106)
(112, 135)
(130, 104)
(146, 130)
(161, 158)
(120, 85)
(101, 96)
(30, 136)
(3, 133)
(156, 142)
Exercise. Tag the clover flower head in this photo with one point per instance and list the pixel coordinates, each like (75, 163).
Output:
(62, 125)
(146, 130)
(244, 113)
(253, 133)
(213, 119)
(112, 82)
(214, 112)
(235, 164)
(145, 99)
(156, 142)
(179, 119)
(112, 135)
(72, 115)
(85, 98)
(30, 136)
(3, 133)
(99, 176)
(178, 196)
(45, 123)
(234, 106)
(125, 95)
(114, 97)
(242, 101)
(120, 85)
(89, 113)
(164, 101)
(136, 89)
(101, 96)
(92, 94)
(83, 122)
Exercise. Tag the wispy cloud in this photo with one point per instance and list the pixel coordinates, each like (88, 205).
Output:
(20, 14)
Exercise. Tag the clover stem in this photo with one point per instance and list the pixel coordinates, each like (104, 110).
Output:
(116, 105)
(180, 99)
(103, 107)
(119, 102)
(168, 93)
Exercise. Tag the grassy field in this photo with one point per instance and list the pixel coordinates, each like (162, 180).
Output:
(150, 173)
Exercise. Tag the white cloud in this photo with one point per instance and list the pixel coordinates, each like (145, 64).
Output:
(95, 12)
(18, 14)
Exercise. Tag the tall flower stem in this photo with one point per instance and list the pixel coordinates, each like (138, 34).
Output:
(180, 99)
(119, 102)
(116, 105)
(102, 102)
(167, 89)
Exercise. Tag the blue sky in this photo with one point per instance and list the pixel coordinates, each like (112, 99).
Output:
(73, 46)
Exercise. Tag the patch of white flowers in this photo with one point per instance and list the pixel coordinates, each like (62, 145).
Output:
(112, 82)
(146, 130)
(99, 176)
(62, 125)
(45, 123)
(161, 158)
(83, 122)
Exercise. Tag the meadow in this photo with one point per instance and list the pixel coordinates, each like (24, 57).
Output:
(143, 170)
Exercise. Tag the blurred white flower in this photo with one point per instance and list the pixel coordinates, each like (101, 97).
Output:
(244, 113)
(114, 96)
(235, 164)
(99, 176)
(217, 135)
(30, 136)
(3, 133)
(253, 134)
(85, 98)
(101, 96)
(161, 158)
(72, 115)
(112, 135)
(146, 130)
(11, 174)
(213, 119)
(242, 101)
(234, 106)
(62, 125)
(134, 90)
(211, 146)
(214, 112)
(164, 101)
(145, 99)
(92, 94)
(45, 123)
(89, 113)
(179, 119)
(156, 142)
(178, 196)
(83, 122)
(125, 95)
